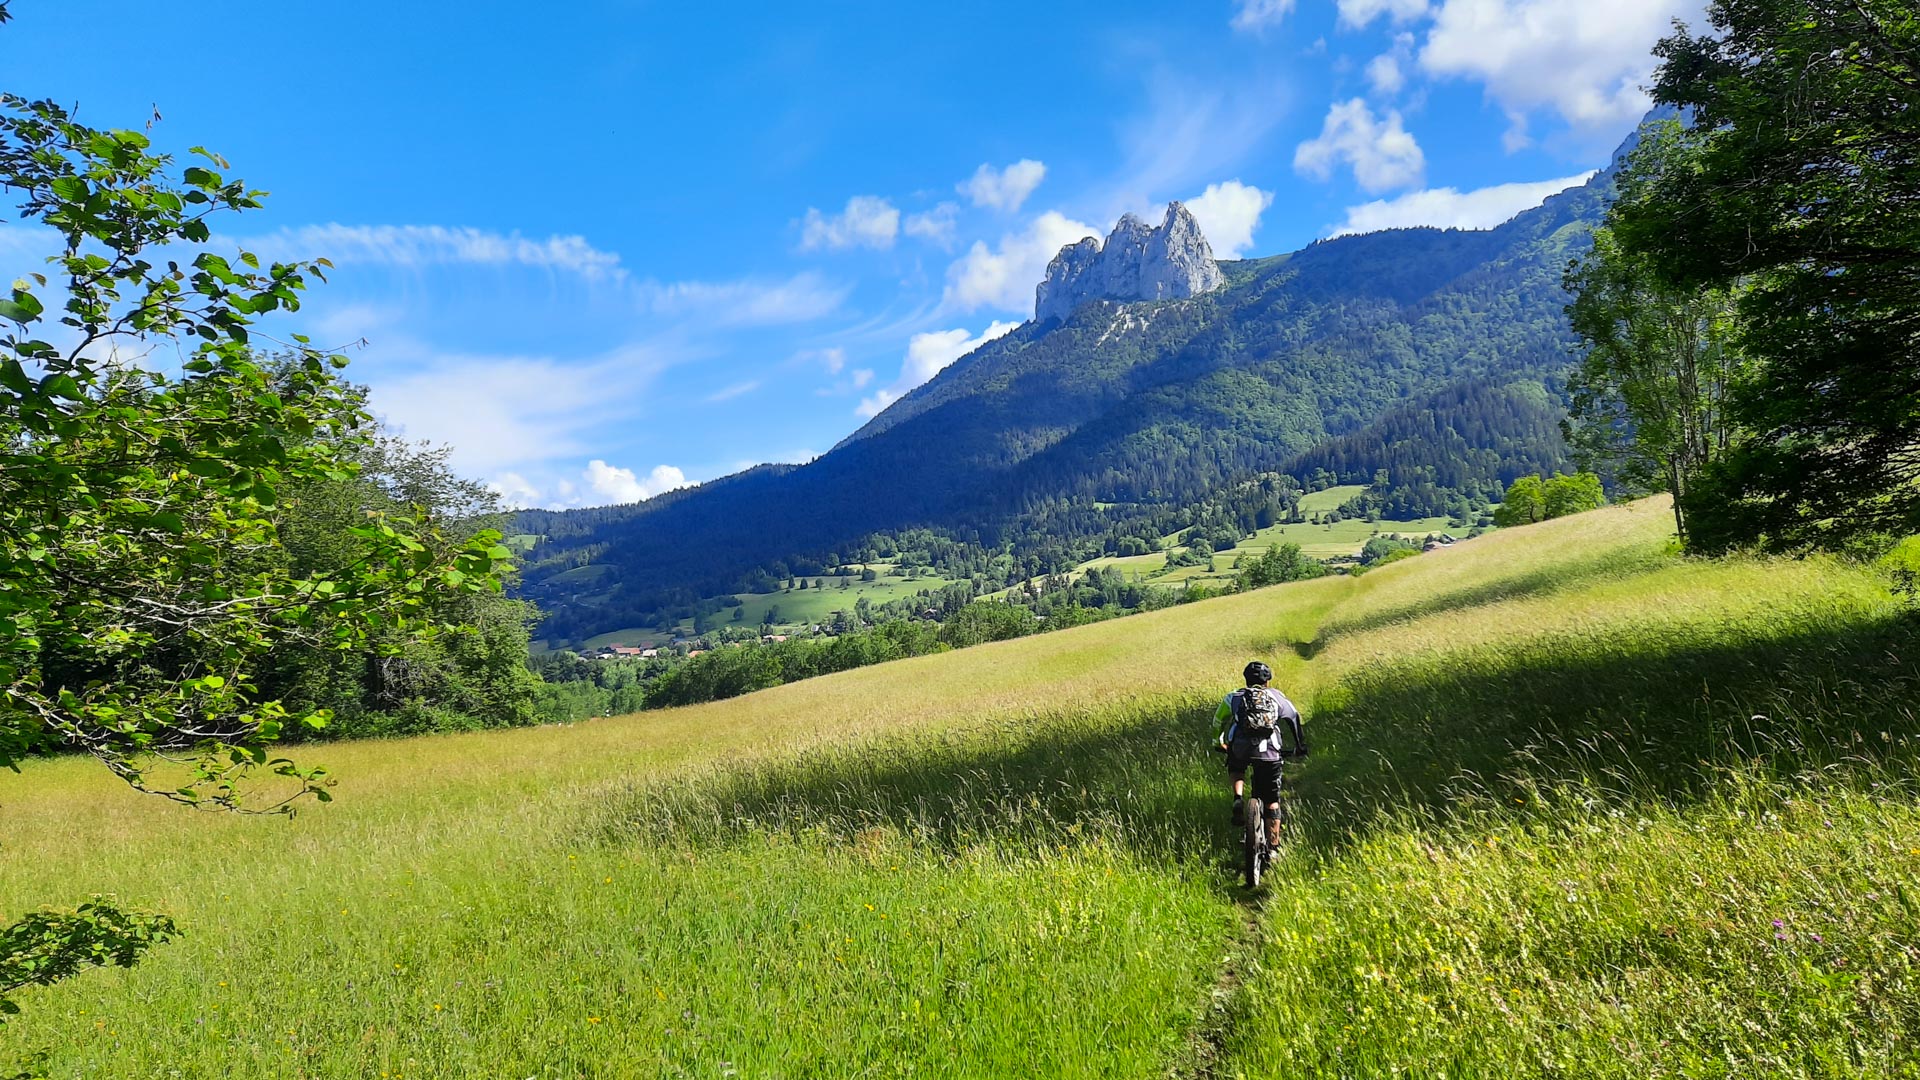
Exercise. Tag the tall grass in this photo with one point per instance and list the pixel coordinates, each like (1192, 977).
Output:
(1565, 784)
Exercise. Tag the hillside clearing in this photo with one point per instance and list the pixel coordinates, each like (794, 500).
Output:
(1577, 807)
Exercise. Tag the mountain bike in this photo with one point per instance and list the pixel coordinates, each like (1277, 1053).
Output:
(1256, 854)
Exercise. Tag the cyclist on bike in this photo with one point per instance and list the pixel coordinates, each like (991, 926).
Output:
(1253, 719)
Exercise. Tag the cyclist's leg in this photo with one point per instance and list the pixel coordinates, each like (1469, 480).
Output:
(1266, 789)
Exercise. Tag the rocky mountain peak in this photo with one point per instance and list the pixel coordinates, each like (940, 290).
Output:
(1137, 262)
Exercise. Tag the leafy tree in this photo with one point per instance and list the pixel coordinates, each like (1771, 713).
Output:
(1383, 548)
(473, 674)
(1280, 563)
(1524, 504)
(1650, 396)
(1574, 494)
(1802, 192)
(1531, 499)
(144, 582)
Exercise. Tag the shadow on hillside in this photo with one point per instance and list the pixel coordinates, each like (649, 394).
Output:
(1560, 576)
(1142, 780)
(1617, 718)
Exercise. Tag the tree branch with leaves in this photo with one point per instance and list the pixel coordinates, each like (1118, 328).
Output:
(144, 584)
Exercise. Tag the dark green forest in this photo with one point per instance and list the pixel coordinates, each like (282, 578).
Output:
(1438, 356)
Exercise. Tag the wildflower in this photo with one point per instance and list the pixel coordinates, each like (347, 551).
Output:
(1777, 924)
(593, 1019)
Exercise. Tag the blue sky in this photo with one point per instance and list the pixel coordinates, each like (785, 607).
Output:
(607, 248)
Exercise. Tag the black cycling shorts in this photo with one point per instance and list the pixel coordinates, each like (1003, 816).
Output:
(1266, 779)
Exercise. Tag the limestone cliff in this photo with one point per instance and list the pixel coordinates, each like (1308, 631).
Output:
(1137, 262)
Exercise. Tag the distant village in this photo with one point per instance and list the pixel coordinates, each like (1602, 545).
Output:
(648, 652)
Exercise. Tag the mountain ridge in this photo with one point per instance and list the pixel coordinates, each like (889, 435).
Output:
(1140, 403)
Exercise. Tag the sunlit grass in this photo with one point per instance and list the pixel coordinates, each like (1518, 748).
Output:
(1564, 784)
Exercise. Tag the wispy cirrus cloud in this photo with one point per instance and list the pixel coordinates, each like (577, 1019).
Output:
(415, 246)
(803, 297)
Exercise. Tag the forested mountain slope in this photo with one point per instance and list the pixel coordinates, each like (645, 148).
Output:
(1430, 353)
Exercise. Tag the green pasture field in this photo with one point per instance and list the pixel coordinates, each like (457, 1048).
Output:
(1340, 539)
(810, 605)
(1577, 807)
(802, 607)
(1336, 539)
(633, 635)
(1319, 502)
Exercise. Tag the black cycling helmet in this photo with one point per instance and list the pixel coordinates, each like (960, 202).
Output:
(1258, 672)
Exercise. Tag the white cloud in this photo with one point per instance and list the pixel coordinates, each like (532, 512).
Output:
(414, 246)
(1359, 13)
(1005, 277)
(504, 412)
(1382, 153)
(1228, 214)
(1253, 16)
(861, 377)
(936, 225)
(1386, 73)
(801, 298)
(1448, 208)
(867, 221)
(927, 354)
(622, 486)
(832, 359)
(515, 490)
(729, 392)
(1003, 189)
(1585, 61)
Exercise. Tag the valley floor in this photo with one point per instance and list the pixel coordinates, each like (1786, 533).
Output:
(1577, 807)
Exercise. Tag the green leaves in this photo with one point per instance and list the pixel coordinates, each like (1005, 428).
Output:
(50, 945)
(144, 573)
(23, 308)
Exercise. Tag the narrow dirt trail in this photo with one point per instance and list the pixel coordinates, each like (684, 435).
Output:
(1222, 1010)
(1225, 1007)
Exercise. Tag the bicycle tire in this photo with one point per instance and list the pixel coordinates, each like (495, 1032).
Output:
(1254, 843)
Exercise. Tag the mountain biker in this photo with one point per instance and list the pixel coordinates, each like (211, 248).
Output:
(1253, 719)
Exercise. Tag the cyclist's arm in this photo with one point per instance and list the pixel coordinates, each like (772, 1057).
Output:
(1299, 732)
(1223, 718)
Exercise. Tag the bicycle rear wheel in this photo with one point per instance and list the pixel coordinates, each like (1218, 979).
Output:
(1254, 844)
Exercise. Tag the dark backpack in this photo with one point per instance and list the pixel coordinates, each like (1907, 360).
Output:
(1257, 710)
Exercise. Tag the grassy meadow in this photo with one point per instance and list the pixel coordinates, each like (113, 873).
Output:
(792, 610)
(1578, 806)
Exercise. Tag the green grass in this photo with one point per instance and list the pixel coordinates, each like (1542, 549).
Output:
(1319, 502)
(806, 606)
(1336, 540)
(633, 636)
(1564, 784)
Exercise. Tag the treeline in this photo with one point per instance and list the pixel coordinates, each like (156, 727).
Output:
(1051, 443)
(1449, 454)
(1751, 307)
(575, 688)
(1051, 538)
